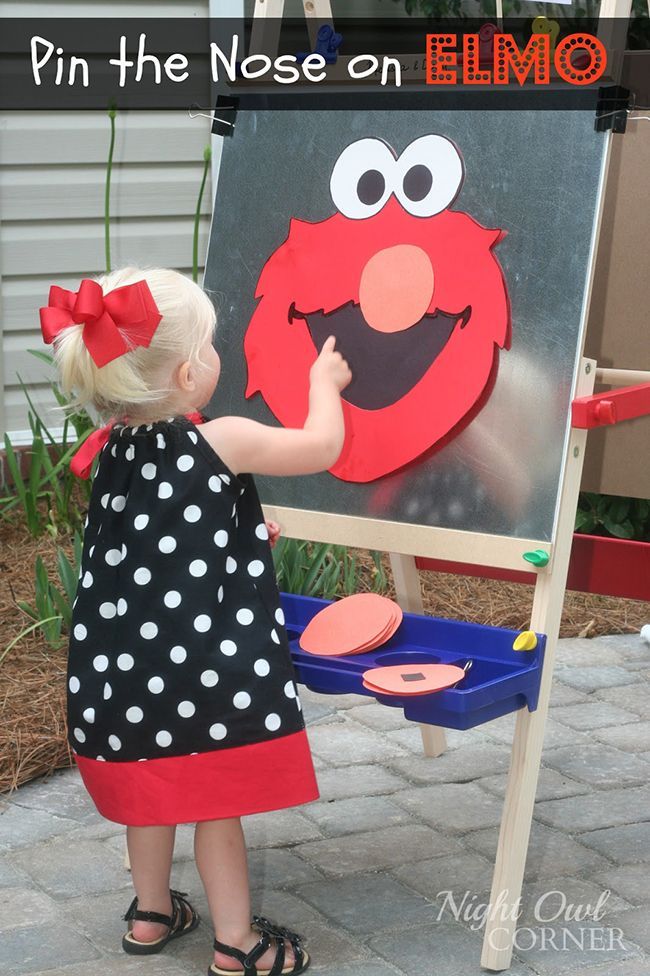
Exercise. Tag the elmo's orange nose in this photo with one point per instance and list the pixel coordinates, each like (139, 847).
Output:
(396, 287)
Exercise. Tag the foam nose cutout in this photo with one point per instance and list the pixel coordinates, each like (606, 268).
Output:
(352, 625)
(396, 287)
(412, 679)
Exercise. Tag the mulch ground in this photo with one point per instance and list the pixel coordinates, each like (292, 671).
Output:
(32, 676)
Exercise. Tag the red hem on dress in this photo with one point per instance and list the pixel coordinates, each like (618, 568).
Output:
(214, 785)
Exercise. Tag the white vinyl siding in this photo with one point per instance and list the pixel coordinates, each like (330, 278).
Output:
(52, 178)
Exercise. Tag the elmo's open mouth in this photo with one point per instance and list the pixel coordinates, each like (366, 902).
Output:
(373, 355)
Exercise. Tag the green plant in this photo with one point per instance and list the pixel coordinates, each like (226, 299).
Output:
(381, 580)
(112, 112)
(320, 569)
(207, 158)
(52, 607)
(48, 495)
(298, 567)
(623, 518)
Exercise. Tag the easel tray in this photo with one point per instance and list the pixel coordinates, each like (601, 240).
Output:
(500, 680)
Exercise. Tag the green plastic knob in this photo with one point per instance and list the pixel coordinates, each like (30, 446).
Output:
(539, 557)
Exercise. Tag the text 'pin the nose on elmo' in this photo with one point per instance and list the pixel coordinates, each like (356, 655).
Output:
(411, 290)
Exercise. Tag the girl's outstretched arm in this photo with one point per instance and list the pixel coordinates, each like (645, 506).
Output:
(247, 446)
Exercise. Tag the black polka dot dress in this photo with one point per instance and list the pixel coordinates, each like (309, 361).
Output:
(182, 699)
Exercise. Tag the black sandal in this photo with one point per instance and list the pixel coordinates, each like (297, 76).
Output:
(183, 920)
(270, 932)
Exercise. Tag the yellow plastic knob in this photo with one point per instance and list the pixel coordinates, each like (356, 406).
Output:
(526, 641)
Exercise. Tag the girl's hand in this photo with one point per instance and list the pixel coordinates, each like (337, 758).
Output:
(331, 366)
(274, 531)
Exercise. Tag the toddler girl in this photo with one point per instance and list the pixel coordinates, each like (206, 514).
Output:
(182, 700)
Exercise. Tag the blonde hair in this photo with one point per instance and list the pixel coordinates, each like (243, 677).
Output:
(139, 384)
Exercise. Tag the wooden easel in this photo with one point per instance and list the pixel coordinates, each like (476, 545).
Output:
(404, 542)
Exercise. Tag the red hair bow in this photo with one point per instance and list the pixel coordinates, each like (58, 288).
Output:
(126, 313)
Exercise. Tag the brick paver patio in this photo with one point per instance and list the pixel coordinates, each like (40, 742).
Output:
(362, 872)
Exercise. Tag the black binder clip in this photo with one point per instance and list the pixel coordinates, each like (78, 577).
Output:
(224, 116)
(612, 108)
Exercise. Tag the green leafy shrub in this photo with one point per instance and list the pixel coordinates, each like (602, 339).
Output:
(610, 515)
(50, 497)
(51, 611)
(321, 570)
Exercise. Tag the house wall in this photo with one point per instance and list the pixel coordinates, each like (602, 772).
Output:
(52, 178)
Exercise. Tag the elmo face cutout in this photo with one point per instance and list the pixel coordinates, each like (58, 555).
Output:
(412, 292)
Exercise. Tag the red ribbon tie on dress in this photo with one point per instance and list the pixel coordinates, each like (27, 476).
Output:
(81, 462)
(113, 324)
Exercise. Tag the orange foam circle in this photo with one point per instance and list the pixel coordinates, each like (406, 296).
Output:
(394, 680)
(351, 625)
(396, 287)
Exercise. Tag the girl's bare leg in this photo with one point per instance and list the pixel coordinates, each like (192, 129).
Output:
(150, 852)
(220, 851)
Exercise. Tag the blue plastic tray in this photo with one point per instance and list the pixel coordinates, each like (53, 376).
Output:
(500, 680)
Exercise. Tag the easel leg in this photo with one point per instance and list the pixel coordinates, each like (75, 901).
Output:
(409, 597)
(529, 729)
(514, 837)
(267, 21)
(317, 13)
(434, 741)
(265, 27)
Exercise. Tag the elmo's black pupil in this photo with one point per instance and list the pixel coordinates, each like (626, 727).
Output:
(418, 182)
(370, 187)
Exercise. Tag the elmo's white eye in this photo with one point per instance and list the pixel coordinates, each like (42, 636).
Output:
(429, 175)
(362, 178)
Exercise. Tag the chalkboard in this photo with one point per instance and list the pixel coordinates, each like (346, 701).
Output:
(534, 174)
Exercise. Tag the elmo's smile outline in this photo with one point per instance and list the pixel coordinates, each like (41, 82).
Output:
(372, 354)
